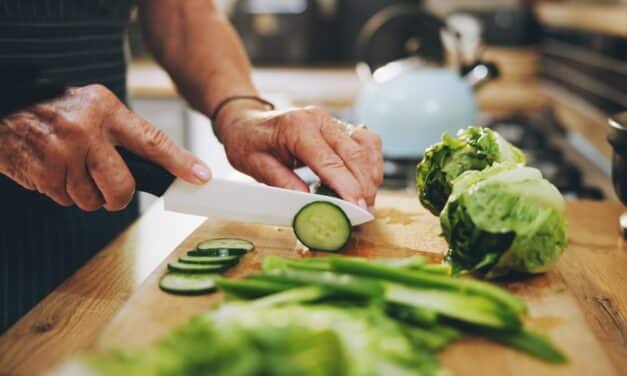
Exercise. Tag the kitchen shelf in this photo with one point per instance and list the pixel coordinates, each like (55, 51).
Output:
(600, 18)
(577, 115)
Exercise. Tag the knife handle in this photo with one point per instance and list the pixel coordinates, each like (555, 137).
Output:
(149, 176)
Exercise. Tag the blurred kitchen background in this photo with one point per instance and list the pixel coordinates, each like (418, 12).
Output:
(545, 74)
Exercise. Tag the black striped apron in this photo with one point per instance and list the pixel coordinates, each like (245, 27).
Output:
(77, 42)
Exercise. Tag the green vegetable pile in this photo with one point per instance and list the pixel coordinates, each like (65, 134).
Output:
(499, 217)
(335, 316)
(474, 148)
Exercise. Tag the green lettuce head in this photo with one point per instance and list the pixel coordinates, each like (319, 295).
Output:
(504, 219)
(474, 148)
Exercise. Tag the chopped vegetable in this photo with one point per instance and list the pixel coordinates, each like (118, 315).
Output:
(251, 288)
(225, 260)
(239, 339)
(224, 243)
(188, 284)
(322, 226)
(468, 308)
(219, 252)
(195, 272)
(423, 279)
(532, 343)
(303, 319)
(196, 268)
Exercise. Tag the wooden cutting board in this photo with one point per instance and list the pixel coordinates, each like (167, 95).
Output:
(402, 228)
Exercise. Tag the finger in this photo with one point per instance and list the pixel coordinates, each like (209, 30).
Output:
(50, 180)
(372, 141)
(355, 156)
(267, 169)
(82, 189)
(312, 149)
(138, 136)
(111, 175)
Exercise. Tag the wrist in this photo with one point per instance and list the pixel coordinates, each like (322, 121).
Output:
(233, 111)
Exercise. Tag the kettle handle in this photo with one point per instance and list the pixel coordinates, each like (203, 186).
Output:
(384, 17)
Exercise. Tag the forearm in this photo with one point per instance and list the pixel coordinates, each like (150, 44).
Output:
(200, 50)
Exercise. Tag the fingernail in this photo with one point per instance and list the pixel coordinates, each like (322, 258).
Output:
(202, 172)
(362, 204)
(371, 209)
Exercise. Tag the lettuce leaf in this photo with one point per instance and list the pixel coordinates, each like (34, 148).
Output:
(502, 220)
(474, 148)
(239, 339)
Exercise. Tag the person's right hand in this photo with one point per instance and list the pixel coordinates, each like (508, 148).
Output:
(65, 149)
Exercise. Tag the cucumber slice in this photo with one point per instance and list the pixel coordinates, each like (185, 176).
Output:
(196, 268)
(222, 252)
(225, 243)
(322, 226)
(226, 260)
(188, 284)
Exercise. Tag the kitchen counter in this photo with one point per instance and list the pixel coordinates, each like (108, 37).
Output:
(516, 90)
(72, 317)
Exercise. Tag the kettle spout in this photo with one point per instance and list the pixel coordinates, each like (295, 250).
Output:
(364, 74)
(480, 73)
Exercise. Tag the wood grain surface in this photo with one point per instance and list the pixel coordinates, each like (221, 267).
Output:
(582, 304)
(401, 229)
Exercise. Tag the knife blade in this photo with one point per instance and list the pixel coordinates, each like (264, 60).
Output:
(230, 200)
(249, 202)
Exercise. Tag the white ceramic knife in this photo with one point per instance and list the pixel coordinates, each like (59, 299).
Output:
(249, 202)
(231, 200)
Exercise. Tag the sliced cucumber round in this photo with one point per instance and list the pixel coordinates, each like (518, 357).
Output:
(225, 243)
(226, 260)
(322, 226)
(222, 252)
(188, 284)
(196, 268)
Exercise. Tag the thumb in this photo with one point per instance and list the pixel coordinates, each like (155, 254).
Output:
(137, 135)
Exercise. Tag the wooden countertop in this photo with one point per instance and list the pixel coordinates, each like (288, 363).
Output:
(73, 317)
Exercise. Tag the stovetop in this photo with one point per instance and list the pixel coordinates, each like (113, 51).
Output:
(539, 136)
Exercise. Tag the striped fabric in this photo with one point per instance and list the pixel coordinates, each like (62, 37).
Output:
(74, 41)
(77, 42)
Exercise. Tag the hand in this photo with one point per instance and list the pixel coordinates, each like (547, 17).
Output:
(268, 144)
(65, 149)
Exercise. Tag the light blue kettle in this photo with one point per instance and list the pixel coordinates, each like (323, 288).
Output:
(410, 102)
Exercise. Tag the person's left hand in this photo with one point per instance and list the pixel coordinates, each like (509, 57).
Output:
(268, 145)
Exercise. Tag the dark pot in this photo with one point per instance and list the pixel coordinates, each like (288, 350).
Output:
(617, 136)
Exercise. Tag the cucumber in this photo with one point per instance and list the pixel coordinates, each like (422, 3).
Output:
(196, 268)
(225, 260)
(322, 226)
(223, 252)
(321, 189)
(188, 284)
(224, 243)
